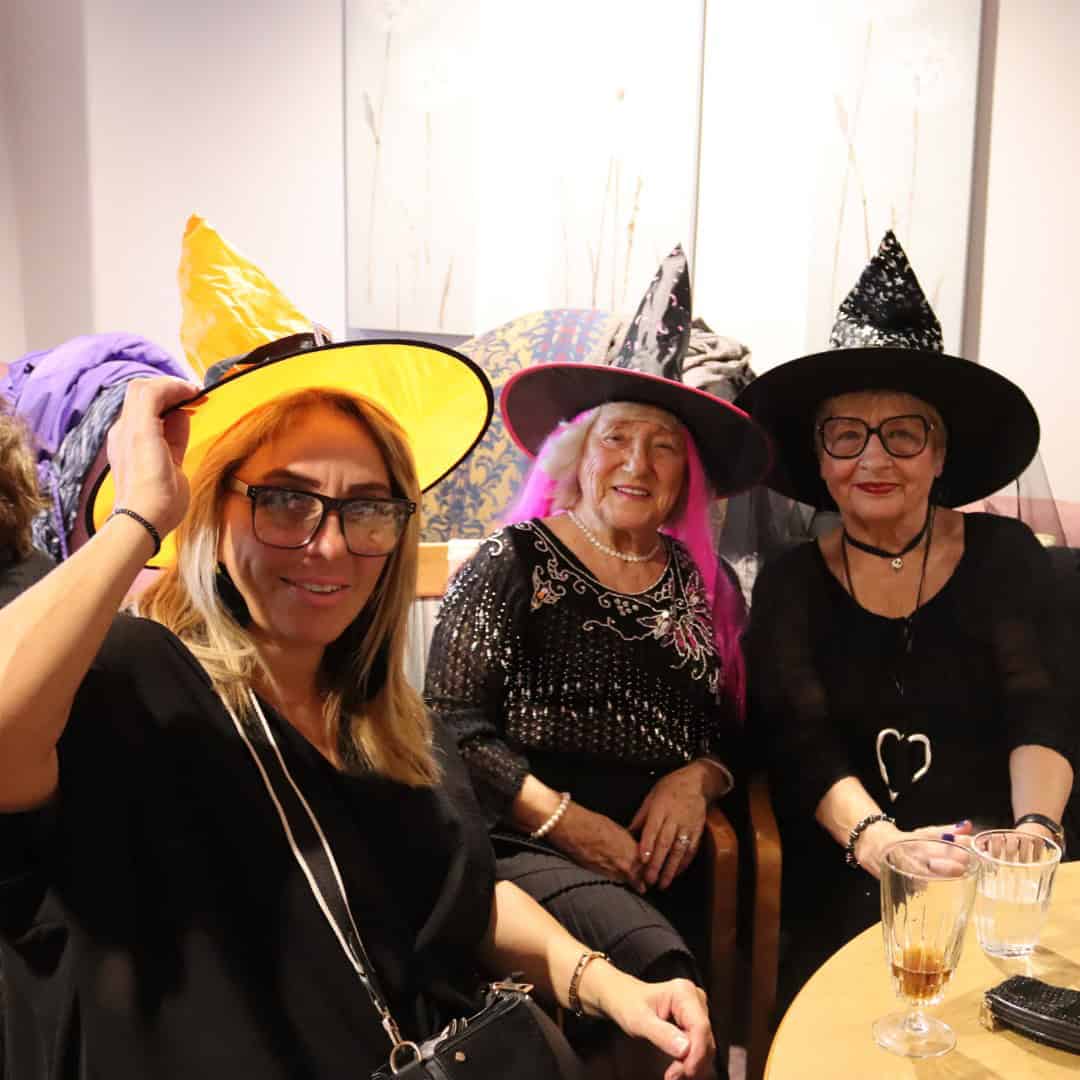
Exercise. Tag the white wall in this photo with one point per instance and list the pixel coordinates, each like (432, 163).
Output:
(231, 110)
(1031, 283)
(42, 60)
(823, 125)
(755, 221)
(12, 320)
(123, 116)
(503, 161)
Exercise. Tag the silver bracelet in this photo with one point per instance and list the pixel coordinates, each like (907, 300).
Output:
(724, 771)
(539, 834)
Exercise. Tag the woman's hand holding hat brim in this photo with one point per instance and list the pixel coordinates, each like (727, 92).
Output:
(146, 451)
(441, 400)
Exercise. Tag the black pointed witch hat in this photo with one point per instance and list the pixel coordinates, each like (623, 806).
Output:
(887, 337)
(734, 451)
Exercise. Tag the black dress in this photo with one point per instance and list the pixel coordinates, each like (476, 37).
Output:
(833, 694)
(17, 575)
(153, 921)
(537, 667)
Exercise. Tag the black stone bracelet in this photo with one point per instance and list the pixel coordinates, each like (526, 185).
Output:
(860, 828)
(147, 525)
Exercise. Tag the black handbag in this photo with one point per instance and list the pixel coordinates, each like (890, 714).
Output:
(1048, 1014)
(510, 1036)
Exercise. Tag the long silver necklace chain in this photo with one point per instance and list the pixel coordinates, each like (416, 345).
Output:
(613, 552)
(909, 620)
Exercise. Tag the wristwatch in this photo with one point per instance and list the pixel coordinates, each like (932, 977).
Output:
(1048, 823)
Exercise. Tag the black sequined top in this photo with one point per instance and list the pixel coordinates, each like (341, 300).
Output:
(538, 667)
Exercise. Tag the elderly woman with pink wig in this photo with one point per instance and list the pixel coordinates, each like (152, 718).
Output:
(587, 657)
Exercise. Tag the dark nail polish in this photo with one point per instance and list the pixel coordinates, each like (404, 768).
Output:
(948, 836)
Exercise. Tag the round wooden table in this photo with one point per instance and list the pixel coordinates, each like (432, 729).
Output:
(826, 1031)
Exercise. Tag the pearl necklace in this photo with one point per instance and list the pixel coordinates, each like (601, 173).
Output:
(596, 543)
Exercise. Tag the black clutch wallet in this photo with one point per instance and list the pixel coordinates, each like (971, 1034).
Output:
(1049, 1014)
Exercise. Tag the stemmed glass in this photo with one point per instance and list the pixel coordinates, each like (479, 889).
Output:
(927, 892)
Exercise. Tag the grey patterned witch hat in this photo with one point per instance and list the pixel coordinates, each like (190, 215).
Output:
(735, 452)
(887, 337)
(659, 332)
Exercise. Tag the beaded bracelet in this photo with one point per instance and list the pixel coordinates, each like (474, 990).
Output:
(539, 834)
(148, 526)
(860, 828)
(1048, 823)
(573, 998)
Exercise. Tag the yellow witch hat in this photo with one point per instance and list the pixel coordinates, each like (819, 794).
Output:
(228, 306)
(442, 400)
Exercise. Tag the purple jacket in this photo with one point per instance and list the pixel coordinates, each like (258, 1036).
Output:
(52, 389)
(55, 391)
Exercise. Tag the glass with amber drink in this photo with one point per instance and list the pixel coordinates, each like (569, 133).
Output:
(927, 893)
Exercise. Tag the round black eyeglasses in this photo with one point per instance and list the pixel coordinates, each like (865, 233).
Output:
(902, 436)
(285, 518)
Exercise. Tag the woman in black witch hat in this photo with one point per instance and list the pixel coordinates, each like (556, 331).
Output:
(588, 656)
(907, 670)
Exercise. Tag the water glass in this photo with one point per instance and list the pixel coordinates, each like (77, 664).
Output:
(927, 891)
(1016, 875)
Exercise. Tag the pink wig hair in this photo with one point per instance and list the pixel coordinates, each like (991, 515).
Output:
(537, 499)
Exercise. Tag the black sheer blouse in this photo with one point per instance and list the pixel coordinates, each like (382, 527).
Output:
(535, 664)
(928, 733)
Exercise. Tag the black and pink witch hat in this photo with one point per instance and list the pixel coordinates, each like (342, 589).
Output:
(734, 451)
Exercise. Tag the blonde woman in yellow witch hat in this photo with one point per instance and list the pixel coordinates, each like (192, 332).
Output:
(234, 844)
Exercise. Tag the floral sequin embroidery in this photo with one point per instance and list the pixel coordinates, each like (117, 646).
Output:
(685, 626)
(545, 591)
(675, 612)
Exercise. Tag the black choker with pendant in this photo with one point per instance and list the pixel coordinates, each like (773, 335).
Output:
(907, 623)
(896, 557)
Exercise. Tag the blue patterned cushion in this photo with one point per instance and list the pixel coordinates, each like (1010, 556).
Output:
(471, 501)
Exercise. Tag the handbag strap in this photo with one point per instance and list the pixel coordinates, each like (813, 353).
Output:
(312, 851)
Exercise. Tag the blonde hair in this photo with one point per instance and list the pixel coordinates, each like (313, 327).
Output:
(562, 453)
(390, 733)
(20, 499)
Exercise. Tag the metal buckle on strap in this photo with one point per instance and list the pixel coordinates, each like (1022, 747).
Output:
(406, 1050)
(509, 984)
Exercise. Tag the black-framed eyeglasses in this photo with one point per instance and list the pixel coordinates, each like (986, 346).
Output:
(285, 518)
(901, 436)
